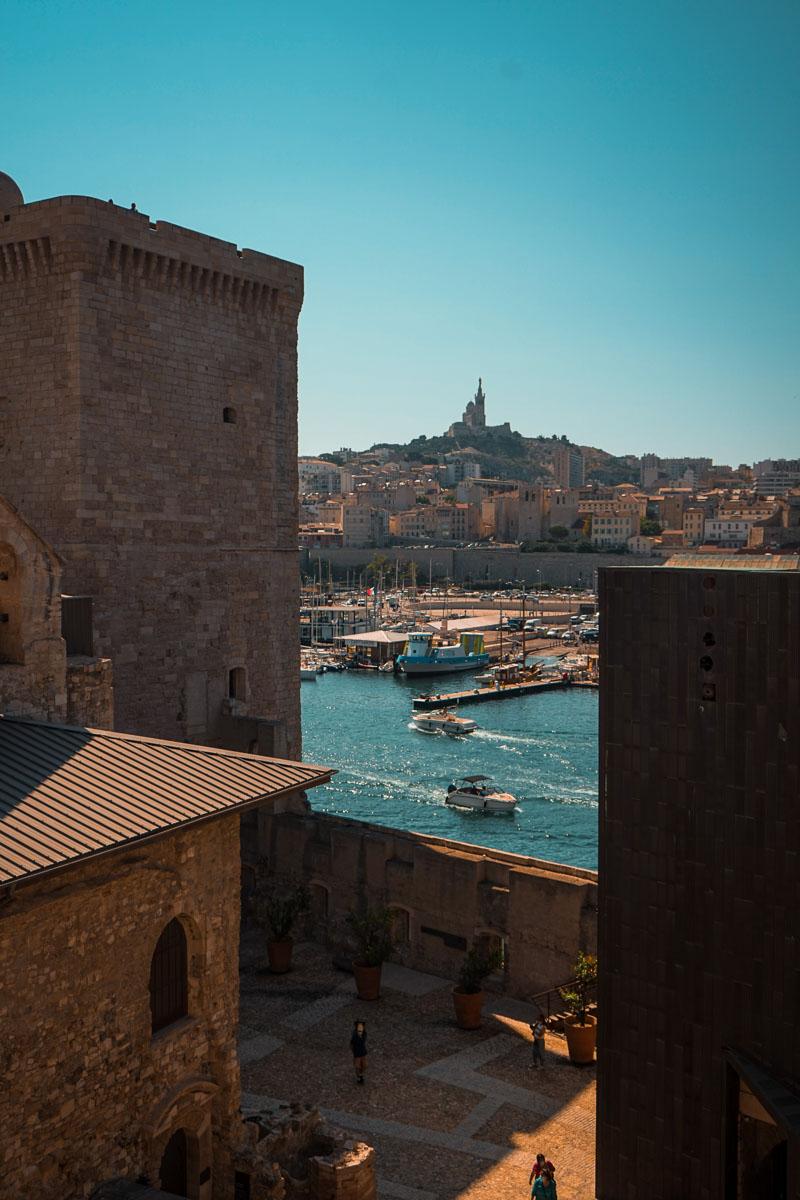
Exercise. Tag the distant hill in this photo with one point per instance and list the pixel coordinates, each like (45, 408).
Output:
(505, 454)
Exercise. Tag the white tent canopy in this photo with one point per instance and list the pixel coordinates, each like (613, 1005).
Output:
(378, 637)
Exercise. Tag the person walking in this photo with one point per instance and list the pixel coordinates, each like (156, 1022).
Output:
(537, 1028)
(544, 1186)
(358, 1044)
(541, 1164)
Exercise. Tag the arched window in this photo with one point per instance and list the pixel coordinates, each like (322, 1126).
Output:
(237, 683)
(169, 985)
(229, 415)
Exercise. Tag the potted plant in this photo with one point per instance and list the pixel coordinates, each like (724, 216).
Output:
(468, 992)
(281, 912)
(372, 930)
(580, 1027)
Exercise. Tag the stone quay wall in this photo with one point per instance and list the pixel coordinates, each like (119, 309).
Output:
(477, 566)
(93, 1093)
(448, 895)
(149, 416)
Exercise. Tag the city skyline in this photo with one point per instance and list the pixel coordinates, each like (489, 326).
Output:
(594, 211)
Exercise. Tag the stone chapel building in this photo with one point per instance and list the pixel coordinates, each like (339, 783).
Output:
(119, 926)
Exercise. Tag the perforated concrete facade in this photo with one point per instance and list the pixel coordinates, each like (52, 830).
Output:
(699, 881)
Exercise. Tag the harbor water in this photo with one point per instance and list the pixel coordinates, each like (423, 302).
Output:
(541, 748)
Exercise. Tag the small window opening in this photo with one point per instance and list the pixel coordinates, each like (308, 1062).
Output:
(11, 638)
(401, 929)
(229, 415)
(237, 683)
(319, 903)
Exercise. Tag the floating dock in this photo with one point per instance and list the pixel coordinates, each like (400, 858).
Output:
(480, 694)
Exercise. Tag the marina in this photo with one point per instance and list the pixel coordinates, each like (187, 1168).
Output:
(542, 750)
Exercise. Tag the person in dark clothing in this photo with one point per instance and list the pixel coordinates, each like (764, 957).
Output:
(358, 1044)
(537, 1028)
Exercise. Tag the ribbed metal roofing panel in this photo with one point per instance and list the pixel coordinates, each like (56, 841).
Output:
(67, 793)
(736, 562)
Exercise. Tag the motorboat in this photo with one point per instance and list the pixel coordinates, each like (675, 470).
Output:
(423, 656)
(308, 674)
(442, 720)
(478, 793)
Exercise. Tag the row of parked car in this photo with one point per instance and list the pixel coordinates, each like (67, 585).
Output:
(583, 628)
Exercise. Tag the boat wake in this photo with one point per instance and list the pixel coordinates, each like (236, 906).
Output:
(488, 735)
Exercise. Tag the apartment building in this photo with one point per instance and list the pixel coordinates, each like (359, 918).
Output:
(731, 532)
(694, 521)
(363, 525)
(569, 467)
(613, 530)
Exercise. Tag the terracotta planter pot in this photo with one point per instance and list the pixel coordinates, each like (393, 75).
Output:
(368, 981)
(581, 1039)
(280, 956)
(468, 1006)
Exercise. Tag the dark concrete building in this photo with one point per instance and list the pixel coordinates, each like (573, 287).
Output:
(699, 900)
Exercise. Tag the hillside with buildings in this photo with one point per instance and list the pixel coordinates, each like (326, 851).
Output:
(502, 452)
(488, 484)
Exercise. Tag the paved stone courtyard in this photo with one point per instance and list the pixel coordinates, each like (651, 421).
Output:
(451, 1113)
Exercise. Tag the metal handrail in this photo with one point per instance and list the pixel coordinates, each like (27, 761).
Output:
(540, 997)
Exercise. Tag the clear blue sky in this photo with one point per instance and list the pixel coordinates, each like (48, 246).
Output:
(593, 205)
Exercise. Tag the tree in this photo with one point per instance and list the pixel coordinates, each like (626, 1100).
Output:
(649, 527)
(378, 565)
(559, 532)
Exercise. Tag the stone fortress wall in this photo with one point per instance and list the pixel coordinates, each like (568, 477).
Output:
(448, 895)
(149, 408)
(461, 566)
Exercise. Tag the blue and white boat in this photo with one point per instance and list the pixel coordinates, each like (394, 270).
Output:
(422, 657)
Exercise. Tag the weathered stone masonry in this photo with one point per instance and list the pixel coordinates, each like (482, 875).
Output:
(148, 411)
(95, 1094)
(447, 895)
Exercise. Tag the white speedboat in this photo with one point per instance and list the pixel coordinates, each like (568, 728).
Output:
(308, 674)
(477, 792)
(441, 720)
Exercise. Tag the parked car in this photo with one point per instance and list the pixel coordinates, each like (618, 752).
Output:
(590, 635)
(568, 637)
(532, 624)
(553, 633)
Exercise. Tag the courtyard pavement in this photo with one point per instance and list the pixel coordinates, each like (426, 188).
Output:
(450, 1113)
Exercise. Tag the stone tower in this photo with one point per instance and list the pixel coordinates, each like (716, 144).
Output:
(148, 430)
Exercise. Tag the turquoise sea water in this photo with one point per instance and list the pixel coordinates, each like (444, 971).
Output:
(541, 748)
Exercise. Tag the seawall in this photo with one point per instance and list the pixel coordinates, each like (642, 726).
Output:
(470, 566)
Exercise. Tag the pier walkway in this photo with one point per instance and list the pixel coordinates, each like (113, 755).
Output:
(479, 694)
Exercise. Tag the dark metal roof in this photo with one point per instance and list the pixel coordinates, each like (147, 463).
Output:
(68, 793)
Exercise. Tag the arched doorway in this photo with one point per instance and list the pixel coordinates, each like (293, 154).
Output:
(172, 1171)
